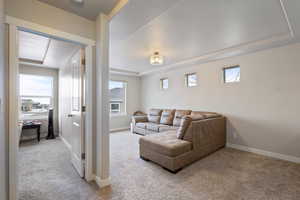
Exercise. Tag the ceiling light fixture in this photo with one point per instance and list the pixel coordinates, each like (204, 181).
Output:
(156, 59)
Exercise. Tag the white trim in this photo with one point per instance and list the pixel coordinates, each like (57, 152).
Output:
(123, 72)
(119, 129)
(89, 90)
(13, 112)
(265, 153)
(117, 8)
(66, 142)
(50, 31)
(38, 65)
(102, 182)
(286, 16)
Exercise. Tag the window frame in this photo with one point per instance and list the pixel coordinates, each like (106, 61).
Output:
(224, 74)
(187, 79)
(162, 83)
(51, 105)
(125, 99)
(118, 111)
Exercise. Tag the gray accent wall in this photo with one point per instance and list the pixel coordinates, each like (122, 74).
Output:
(3, 121)
(262, 110)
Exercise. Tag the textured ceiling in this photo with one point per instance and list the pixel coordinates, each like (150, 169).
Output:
(190, 30)
(89, 9)
(55, 55)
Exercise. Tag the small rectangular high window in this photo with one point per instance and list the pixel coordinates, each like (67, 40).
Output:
(191, 80)
(164, 83)
(232, 74)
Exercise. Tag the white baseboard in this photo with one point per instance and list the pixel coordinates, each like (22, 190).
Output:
(265, 153)
(119, 129)
(66, 142)
(102, 182)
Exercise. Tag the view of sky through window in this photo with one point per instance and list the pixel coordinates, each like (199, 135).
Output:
(232, 74)
(164, 83)
(191, 80)
(31, 85)
(115, 84)
(36, 93)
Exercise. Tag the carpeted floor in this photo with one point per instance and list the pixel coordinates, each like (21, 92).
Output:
(45, 173)
(228, 174)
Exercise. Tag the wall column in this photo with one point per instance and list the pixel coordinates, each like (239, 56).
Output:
(3, 132)
(102, 119)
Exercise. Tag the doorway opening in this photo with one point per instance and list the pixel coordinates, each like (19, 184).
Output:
(48, 82)
(52, 101)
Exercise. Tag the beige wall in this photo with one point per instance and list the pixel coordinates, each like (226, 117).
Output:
(262, 110)
(27, 69)
(3, 133)
(132, 101)
(46, 15)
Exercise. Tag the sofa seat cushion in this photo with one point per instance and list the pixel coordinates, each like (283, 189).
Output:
(166, 143)
(154, 127)
(168, 128)
(141, 125)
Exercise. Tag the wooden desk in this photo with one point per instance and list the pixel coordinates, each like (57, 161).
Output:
(33, 125)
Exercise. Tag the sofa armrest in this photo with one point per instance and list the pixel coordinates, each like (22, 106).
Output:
(207, 133)
(137, 119)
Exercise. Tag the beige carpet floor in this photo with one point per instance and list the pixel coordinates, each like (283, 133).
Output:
(227, 174)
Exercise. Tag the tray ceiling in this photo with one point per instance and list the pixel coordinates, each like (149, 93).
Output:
(42, 51)
(195, 31)
(89, 9)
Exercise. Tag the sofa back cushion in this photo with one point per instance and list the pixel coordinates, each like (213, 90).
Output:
(184, 125)
(198, 115)
(154, 115)
(179, 114)
(167, 117)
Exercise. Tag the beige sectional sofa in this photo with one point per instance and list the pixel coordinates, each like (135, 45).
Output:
(176, 138)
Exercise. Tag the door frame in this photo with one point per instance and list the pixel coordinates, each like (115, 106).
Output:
(14, 24)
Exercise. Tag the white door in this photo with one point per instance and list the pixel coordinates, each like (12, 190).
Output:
(77, 106)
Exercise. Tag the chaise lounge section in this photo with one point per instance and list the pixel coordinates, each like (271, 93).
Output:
(177, 138)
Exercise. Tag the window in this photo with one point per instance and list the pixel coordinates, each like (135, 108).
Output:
(232, 74)
(36, 93)
(117, 102)
(164, 83)
(191, 79)
(115, 107)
